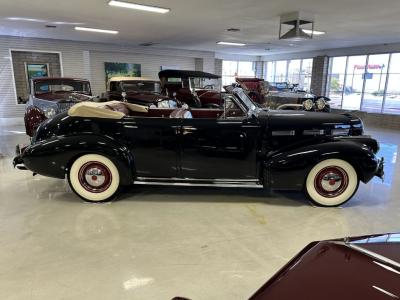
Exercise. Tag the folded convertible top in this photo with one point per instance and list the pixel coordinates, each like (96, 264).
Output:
(103, 109)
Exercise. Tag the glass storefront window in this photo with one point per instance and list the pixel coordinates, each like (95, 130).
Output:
(365, 82)
(375, 81)
(294, 71)
(297, 71)
(245, 69)
(281, 71)
(336, 80)
(270, 71)
(233, 69)
(392, 97)
(354, 82)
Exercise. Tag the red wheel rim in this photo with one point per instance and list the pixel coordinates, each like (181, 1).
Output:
(331, 182)
(95, 177)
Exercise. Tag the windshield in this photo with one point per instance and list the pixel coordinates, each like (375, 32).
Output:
(141, 86)
(245, 100)
(205, 84)
(44, 87)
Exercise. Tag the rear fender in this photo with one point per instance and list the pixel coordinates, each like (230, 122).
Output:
(53, 157)
(289, 170)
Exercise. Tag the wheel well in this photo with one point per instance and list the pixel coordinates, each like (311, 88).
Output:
(118, 163)
(350, 161)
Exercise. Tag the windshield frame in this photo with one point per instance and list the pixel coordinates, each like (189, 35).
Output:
(252, 107)
(62, 82)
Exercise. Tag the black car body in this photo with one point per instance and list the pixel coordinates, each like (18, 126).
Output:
(326, 155)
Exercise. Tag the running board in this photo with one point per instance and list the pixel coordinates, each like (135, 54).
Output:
(246, 183)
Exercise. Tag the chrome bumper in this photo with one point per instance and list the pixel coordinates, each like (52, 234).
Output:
(18, 161)
(379, 171)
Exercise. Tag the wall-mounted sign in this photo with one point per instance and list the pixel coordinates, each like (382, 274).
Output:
(369, 67)
(122, 70)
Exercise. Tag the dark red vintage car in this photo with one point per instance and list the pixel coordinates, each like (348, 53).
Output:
(50, 96)
(197, 89)
(366, 267)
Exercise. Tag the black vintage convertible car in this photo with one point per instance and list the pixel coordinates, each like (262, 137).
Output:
(101, 146)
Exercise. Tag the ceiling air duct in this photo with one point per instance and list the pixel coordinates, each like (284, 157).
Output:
(298, 23)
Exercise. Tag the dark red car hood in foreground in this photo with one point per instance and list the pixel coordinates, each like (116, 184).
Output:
(356, 268)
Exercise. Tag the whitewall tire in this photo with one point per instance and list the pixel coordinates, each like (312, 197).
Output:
(331, 182)
(94, 178)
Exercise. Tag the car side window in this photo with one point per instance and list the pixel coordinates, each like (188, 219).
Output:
(232, 110)
(114, 86)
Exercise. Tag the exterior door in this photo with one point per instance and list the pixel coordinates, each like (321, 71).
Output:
(153, 144)
(218, 149)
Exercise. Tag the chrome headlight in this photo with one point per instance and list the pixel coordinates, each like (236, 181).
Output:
(308, 104)
(320, 103)
(49, 112)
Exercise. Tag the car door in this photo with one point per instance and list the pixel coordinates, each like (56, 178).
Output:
(153, 144)
(219, 148)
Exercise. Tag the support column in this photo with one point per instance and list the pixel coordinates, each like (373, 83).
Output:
(319, 75)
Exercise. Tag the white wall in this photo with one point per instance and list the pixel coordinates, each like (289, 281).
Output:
(86, 60)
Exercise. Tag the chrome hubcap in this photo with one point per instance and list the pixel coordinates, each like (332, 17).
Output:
(331, 182)
(95, 177)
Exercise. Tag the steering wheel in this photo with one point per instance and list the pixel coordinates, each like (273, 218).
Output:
(208, 87)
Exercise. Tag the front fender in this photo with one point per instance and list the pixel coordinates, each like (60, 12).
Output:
(289, 170)
(53, 157)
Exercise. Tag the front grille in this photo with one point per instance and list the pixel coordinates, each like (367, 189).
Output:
(61, 107)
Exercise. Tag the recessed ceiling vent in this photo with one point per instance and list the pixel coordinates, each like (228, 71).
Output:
(294, 26)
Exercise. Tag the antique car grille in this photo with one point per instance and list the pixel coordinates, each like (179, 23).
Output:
(61, 107)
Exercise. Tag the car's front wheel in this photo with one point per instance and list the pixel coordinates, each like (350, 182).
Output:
(331, 182)
(94, 178)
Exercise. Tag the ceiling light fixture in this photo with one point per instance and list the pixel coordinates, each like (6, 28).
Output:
(231, 44)
(42, 21)
(96, 30)
(130, 5)
(25, 19)
(314, 32)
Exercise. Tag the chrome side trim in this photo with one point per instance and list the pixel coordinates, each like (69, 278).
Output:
(245, 183)
(283, 133)
(174, 179)
(255, 186)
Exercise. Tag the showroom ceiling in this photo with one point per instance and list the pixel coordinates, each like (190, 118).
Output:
(198, 25)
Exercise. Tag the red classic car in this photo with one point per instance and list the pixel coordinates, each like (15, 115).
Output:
(50, 96)
(366, 267)
(197, 89)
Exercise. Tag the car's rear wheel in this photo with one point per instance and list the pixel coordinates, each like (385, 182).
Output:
(331, 182)
(94, 178)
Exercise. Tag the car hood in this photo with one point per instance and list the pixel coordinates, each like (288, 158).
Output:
(296, 119)
(359, 268)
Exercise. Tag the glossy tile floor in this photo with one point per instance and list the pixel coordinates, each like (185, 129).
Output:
(160, 242)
